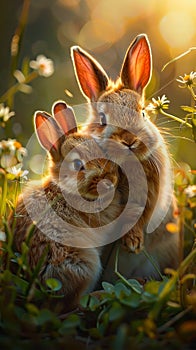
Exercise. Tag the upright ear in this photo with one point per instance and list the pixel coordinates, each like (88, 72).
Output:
(65, 117)
(91, 77)
(48, 133)
(137, 66)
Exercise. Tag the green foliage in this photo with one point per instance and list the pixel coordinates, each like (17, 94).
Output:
(124, 315)
(121, 314)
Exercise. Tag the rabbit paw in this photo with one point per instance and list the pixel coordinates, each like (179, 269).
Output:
(133, 242)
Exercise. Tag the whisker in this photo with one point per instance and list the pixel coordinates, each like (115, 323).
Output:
(103, 169)
(176, 163)
(162, 88)
(168, 121)
(154, 164)
(179, 137)
(164, 122)
(98, 213)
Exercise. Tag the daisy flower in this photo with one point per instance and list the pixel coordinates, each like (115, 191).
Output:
(190, 191)
(5, 114)
(157, 104)
(187, 80)
(11, 153)
(43, 65)
(17, 172)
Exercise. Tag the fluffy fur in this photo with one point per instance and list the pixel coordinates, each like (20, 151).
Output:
(64, 232)
(119, 122)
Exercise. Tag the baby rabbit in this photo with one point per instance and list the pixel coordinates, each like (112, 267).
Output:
(65, 207)
(120, 124)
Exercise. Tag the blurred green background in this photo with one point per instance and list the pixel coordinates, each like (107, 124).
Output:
(105, 29)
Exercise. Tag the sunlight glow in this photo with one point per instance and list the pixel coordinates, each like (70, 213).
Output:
(177, 28)
(36, 163)
(97, 33)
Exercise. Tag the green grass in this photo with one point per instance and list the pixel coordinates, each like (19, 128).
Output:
(126, 315)
(155, 315)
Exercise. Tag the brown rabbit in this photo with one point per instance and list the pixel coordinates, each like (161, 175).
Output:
(122, 127)
(64, 227)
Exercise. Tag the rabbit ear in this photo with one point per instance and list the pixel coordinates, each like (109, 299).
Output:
(48, 133)
(136, 69)
(91, 77)
(65, 117)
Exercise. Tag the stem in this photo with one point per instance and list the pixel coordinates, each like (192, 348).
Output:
(116, 268)
(181, 235)
(150, 258)
(189, 228)
(179, 120)
(178, 57)
(173, 320)
(169, 286)
(192, 92)
(18, 35)
(13, 89)
(9, 240)
(186, 262)
(16, 195)
(14, 204)
(118, 273)
(4, 197)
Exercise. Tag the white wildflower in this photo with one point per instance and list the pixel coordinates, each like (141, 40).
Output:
(10, 145)
(2, 236)
(190, 191)
(157, 104)
(11, 153)
(8, 160)
(21, 153)
(19, 76)
(17, 172)
(5, 114)
(27, 89)
(43, 65)
(187, 80)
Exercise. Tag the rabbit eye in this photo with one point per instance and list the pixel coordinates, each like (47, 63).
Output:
(78, 164)
(103, 120)
(143, 114)
(125, 144)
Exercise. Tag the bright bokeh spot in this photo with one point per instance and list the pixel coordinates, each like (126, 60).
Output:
(36, 163)
(69, 3)
(172, 227)
(121, 11)
(67, 30)
(97, 33)
(177, 28)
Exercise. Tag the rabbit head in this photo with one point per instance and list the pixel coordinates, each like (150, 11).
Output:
(117, 109)
(77, 164)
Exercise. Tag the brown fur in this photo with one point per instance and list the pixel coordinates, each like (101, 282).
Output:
(63, 232)
(136, 137)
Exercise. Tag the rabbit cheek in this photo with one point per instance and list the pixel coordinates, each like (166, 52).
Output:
(91, 189)
(55, 169)
(141, 151)
(81, 183)
(88, 187)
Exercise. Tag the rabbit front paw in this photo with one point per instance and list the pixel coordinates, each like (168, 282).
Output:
(133, 242)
